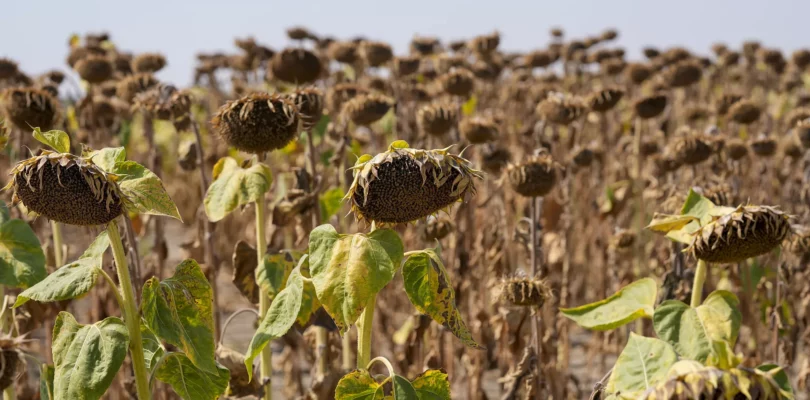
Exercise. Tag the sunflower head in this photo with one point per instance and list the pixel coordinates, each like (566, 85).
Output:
(67, 189)
(257, 123)
(404, 184)
(745, 232)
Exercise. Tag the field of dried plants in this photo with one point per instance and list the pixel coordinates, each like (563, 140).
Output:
(328, 219)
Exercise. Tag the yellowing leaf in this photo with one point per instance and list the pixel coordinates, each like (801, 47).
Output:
(430, 291)
(664, 222)
(57, 140)
(235, 186)
(22, 262)
(143, 190)
(468, 108)
(347, 270)
(643, 363)
(358, 385)
(432, 385)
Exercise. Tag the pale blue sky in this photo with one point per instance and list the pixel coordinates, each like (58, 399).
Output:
(35, 32)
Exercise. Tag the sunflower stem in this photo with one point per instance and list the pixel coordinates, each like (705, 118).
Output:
(697, 284)
(10, 392)
(266, 365)
(364, 334)
(58, 255)
(131, 316)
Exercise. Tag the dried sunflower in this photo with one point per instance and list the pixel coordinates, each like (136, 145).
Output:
(257, 123)
(309, 102)
(405, 184)
(535, 177)
(744, 232)
(561, 110)
(28, 107)
(368, 108)
(299, 66)
(148, 63)
(478, 129)
(525, 292)
(67, 189)
(437, 119)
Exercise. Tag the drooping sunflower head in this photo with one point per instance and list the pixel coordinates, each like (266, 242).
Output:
(521, 291)
(296, 65)
(257, 123)
(67, 189)
(746, 232)
(404, 184)
(437, 119)
(95, 69)
(366, 109)
(309, 102)
(29, 107)
(148, 63)
(11, 360)
(534, 177)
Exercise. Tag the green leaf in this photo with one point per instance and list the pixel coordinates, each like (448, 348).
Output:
(330, 203)
(46, 382)
(22, 262)
(779, 376)
(72, 280)
(279, 318)
(643, 363)
(152, 348)
(358, 385)
(107, 157)
(631, 302)
(272, 274)
(320, 128)
(235, 186)
(179, 310)
(403, 390)
(432, 385)
(143, 190)
(87, 357)
(190, 382)
(430, 291)
(347, 270)
(57, 140)
(691, 331)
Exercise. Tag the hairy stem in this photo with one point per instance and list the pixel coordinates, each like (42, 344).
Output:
(364, 334)
(266, 366)
(131, 316)
(697, 284)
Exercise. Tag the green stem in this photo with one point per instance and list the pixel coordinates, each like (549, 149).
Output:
(364, 334)
(697, 285)
(131, 316)
(266, 366)
(58, 256)
(10, 392)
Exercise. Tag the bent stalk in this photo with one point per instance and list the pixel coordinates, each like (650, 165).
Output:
(131, 316)
(697, 284)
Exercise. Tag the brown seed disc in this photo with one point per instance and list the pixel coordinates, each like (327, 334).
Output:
(525, 292)
(31, 108)
(95, 69)
(148, 63)
(744, 112)
(458, 82)
(296, 65)
(58, 187)
(604, 100)
(747, 232)
(257, 123)
(650, 106)
(10, 363)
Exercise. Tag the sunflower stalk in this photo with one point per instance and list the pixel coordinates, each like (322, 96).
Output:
(131, 315)
(266, 361)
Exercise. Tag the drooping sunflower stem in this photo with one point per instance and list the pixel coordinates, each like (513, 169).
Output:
(131, 315)
(697, 284)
